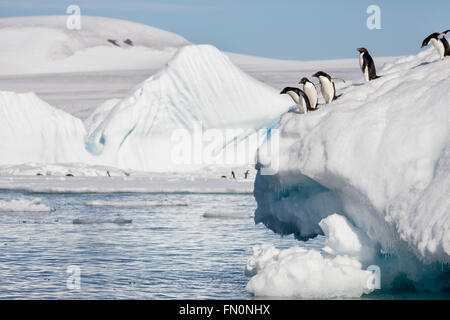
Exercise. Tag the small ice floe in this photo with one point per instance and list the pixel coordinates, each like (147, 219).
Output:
(118, 220)
(24, 205)
(86, 221)
(227, 214)
(135, 204)
(122, 220)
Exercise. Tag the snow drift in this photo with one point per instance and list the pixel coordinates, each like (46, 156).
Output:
(380, 156)
(45, 44)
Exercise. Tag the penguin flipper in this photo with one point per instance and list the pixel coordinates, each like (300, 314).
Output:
(336, 80)
(337, 97)
(442, 35)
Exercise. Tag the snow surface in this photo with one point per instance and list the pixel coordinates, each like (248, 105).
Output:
(45, 45)
(24, 205)
(379, 156)
(146, 183)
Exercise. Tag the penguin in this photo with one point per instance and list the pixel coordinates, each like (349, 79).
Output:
(327, 85)
(300, 98)
(367, 65)
(439, 43)
(310, 89)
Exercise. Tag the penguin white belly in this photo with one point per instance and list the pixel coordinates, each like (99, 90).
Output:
(366, 73)
(439, 46)
(294, 97)
(302, 106)
(311, 92)
(366, 69)
(327, 89)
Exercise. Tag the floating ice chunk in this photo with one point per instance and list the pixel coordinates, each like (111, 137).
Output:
(24, 205)
(345, 239)
(135, 204)
(86, 221)
(227, 214)
(301, 273)
(122, 220)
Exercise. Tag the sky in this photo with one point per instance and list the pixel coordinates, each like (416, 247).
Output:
(283, 29)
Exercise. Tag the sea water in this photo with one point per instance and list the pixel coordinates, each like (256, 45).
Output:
(176, 246)
(166, 252)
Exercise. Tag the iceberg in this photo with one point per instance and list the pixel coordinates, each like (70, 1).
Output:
(199, 111)
(198, 97)
(380, 157)
(33, 131)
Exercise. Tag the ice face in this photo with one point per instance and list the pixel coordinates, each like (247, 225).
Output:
(382, 154)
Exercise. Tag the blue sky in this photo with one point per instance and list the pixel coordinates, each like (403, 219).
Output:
(285, 29)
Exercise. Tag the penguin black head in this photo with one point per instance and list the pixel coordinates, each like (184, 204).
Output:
(321, 73)
(287, 89)
(304, 80)
(362, 50)
(426, 41)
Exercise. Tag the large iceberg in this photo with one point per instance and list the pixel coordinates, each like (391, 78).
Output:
(199, 111)
(199, 90)
(380, 156)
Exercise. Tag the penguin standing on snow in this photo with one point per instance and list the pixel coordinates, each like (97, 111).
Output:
(439, 43)
(367, 65)
(327, 85)
(300, 98)
(310, 89)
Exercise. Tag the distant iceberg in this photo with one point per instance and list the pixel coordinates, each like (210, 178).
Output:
(199, 111)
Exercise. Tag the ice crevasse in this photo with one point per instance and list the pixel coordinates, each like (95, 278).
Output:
(379, 157)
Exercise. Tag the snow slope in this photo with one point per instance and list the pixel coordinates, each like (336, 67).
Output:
(199, 89)
(45, 44)
(33, 131)
(380, 156)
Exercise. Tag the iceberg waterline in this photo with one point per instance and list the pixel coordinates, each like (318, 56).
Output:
(199, 85)
(378, 156)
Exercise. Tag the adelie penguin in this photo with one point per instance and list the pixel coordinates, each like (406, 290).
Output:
(310, 89)
(367, 65)
(327, 85)
(300, 98)
(439, 43)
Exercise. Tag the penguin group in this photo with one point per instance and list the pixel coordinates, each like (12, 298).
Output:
(308, 98)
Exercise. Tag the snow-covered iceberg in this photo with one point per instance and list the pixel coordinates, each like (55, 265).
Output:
(380, 156)
(199, 89)
(200, 110)
(46, 45)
